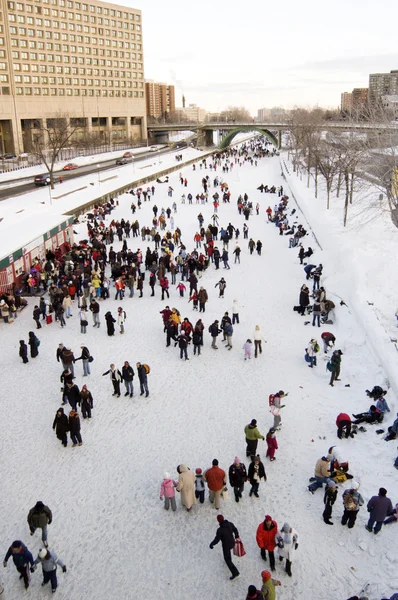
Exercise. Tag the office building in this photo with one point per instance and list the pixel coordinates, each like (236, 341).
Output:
(382, 84)
(263, 114)
(83, 60)
(160, 99)
(192, 113)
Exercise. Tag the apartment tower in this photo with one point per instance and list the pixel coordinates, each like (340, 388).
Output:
(160, 99)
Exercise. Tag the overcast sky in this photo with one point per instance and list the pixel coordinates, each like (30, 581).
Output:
(261, 53)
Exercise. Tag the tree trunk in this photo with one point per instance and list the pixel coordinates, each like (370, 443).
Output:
(316, 181)
(351, 186)
(347, 196)
(339, 185)
(308, 168)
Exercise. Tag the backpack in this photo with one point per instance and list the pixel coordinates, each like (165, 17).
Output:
(329, 366)
(147, 369)
(348, 501)
(316, 347)
(37, 342)
(210, 330)
(271, 399)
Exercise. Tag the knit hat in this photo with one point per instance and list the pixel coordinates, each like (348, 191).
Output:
(237, 460)
(354, 485)
(253, 422)
(286, 528)
(166, 475)
(198, 471)
(43, 552)
(268, 518)
(16, 544)
(39, 505)
(265, 575)
(220, 518)
(252, 592)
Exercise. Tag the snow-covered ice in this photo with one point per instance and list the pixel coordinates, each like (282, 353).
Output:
(109, 525)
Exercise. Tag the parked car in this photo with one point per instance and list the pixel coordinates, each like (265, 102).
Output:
(8, 156)
(123, 161)
(43, 179)
(128, 155)
(153, 148)
(23, 156)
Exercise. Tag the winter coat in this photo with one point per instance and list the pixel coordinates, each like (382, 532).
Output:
(33, 343)
(128, 373)
(21, 558)
(202, 296)
(86, 399)
(260, 472)
(74, 423)
(38, 517)
(335, 361)
(167, 488)
(226, 534)
(379, 507)
(235, 308)
(183, 341)
(252, 433)
(49, 564)
(237, 475)
(342, 417)
(186, 486)
(214, 330)
(215, 478)
(272, 444)
(110, 323)
(304, 299)
(61, 423)
(73, 394)
(268, 589)
(357, 500)
(322, 468)
(114, 375)
(23, 350)
(266, 538)
(67, 358)
(286, 542)
(257, 335)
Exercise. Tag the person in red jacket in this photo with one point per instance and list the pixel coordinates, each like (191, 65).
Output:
(265, 537)
(216, 479)
(343, 423)
(272, 444)
(164, 284)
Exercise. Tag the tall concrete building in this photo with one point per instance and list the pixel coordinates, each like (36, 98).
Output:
(263, 114)
(382, 84)
(359, 97)
(346, 102)
(79, 59)
(160, 99)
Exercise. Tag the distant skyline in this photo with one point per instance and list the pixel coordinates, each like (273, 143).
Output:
(261, 54)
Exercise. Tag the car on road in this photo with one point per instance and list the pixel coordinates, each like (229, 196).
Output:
(153, 148)
(8, 156)
(123, 160)
(128, 155)
(43, 179)
(70, 167)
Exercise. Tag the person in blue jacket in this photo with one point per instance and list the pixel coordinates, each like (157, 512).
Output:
(22, 559)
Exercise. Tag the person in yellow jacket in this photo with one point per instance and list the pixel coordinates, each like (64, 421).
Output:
(175, 316)
(268, 589)
(252, 436)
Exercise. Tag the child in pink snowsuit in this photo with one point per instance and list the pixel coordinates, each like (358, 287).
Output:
(247, 347)
(272, 444)
(167, 490)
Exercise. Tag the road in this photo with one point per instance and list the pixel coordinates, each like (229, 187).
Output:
(10, 189)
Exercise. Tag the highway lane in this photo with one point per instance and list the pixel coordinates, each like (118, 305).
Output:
(12, 189)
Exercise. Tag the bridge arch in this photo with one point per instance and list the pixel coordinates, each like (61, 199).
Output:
(226, 141)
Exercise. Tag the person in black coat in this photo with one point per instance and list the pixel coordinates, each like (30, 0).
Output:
(34, 345)
(227, 535)
(301, 254)
(255, 473)
(74, 428)
(329, 499)
(171, 332)
(237, 477)
(304, 299)
(23, 351)
(61, 426)
(72, 393)
(110, 323)
(183, 341)
(128, 376)
(36, 316)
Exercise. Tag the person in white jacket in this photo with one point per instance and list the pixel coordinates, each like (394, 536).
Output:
(287, 542)
(49, 561)
(121, 317)
(258, 339)
(235, 312)
(312, 350)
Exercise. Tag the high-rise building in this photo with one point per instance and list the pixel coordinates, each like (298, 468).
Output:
(263, 114)
(359, 97)
(346, 102)
(83, 60)
(160, 99)
(382, 84)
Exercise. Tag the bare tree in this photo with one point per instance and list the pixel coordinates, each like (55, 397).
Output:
(56, 134)
(238, 114)
(328, 161)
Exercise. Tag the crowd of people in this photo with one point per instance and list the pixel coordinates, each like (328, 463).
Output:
(92, 271)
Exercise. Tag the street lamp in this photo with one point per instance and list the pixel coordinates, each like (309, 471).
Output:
(98, 172)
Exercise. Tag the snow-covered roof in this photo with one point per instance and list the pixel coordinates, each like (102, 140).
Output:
(19, 229)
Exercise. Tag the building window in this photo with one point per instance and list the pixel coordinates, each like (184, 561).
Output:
(5, 91)
(53, 91)
(44, 91)
(36, 91)
(28, 91)
(19, 91)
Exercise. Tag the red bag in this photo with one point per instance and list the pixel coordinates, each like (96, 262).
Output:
(239, 549)
(49, 319)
